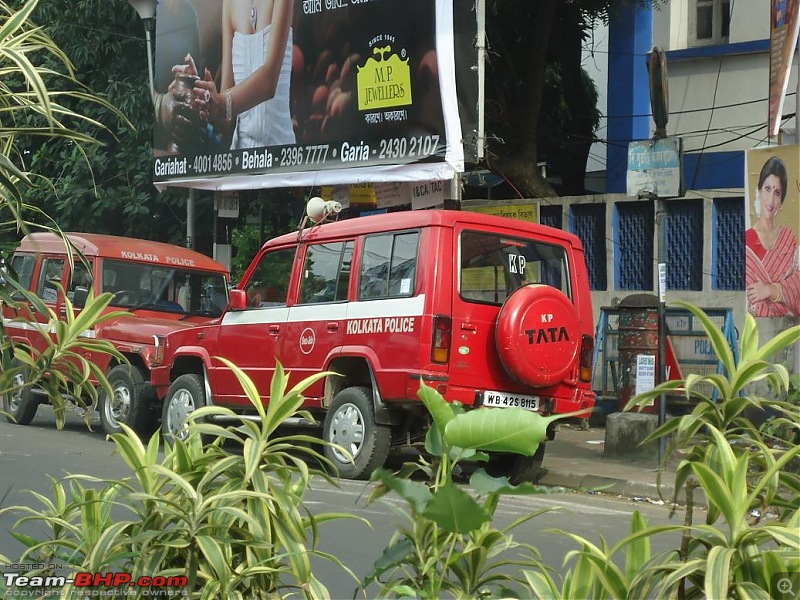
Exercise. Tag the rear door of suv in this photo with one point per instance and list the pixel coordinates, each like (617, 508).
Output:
(492, 264)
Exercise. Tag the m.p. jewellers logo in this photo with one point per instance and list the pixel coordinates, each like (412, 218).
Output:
(385, 79)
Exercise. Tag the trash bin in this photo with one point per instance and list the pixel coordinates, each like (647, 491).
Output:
(638, 334)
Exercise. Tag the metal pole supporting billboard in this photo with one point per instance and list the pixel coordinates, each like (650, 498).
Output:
(481, 45)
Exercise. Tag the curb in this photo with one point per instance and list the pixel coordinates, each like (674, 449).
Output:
(617, 486)
(607, 485)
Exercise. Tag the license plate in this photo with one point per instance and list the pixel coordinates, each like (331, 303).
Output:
(504, 400)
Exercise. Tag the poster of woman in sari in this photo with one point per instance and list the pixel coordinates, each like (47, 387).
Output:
(772, 259)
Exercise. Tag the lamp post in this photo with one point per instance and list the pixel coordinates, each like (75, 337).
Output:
(147, 13)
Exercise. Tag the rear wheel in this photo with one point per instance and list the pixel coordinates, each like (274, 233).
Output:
(127, 403)
(360, 444)
(20, 403)
(516, 467)
(186, 395)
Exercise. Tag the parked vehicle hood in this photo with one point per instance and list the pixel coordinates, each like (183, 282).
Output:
(137, 329)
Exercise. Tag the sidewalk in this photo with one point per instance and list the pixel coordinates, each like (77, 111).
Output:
(574, 459)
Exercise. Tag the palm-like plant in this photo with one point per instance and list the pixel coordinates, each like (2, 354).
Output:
(229, 517)
(728, 412)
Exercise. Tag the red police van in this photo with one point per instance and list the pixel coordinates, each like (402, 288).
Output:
(488, 310)
(161, 287)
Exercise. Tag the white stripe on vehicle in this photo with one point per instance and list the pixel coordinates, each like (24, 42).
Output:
(28, 326)
(339, 311)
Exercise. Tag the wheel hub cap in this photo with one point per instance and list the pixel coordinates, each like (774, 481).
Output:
(180, 407)
(347, 430)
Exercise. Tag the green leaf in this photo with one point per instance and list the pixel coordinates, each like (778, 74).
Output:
(499, 430)
(214, 555)
(717, 577)
(717, 493)
(416, 494)
(393, 555)
(441, 411)
(484, 483)
(455, 511)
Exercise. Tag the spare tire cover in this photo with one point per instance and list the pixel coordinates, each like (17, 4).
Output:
(538, 335)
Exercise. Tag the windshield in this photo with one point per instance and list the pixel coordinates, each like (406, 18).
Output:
(167, 289)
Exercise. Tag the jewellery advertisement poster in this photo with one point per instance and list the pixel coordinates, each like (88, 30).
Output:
(304, 92)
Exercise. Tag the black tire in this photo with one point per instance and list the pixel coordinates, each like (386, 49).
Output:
(20, 405)
(128, 404)
(516, 467)
(350, 423)
(186, 394)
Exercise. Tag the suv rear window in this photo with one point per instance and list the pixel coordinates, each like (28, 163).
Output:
(493, 265)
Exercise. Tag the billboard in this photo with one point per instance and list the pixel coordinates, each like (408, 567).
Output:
(772, 256)
(305, 92)
(783, 30)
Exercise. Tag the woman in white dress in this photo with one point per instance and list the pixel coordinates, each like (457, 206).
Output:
(253, 98)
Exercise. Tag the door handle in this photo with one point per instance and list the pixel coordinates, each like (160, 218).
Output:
(333, 326)
(468, 327)
(274, 329)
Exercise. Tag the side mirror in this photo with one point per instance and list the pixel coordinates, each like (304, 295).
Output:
(237, 299)
(80, 297)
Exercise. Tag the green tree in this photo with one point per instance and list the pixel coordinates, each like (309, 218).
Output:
(539, 101)
(37, 89)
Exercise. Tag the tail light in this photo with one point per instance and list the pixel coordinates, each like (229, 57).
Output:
(440, 348)
(586, 358)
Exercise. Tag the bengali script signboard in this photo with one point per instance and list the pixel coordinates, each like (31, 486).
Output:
(366, 93)
(654, 167)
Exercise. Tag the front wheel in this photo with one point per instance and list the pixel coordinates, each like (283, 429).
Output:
(20, 403)
(185, 395)
(127, 403)
(358, 444)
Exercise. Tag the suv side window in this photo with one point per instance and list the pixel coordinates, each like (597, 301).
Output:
(50, 275)
(269, 284)
(22, 267)
(493, 266)
(326, 273)
(389, 266)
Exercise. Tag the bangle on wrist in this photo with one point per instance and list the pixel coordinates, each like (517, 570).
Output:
(777, 296)
(228, 106)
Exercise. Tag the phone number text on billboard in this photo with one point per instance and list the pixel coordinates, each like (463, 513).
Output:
(308, 156)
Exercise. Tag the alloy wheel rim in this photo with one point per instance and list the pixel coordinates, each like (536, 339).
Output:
(15, 397)
(347, 430)
(117, 410)
(180, 407)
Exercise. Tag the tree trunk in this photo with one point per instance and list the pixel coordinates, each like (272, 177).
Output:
(579, 130)
(520, 168)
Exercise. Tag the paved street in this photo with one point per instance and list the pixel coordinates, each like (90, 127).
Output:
(29, 454)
